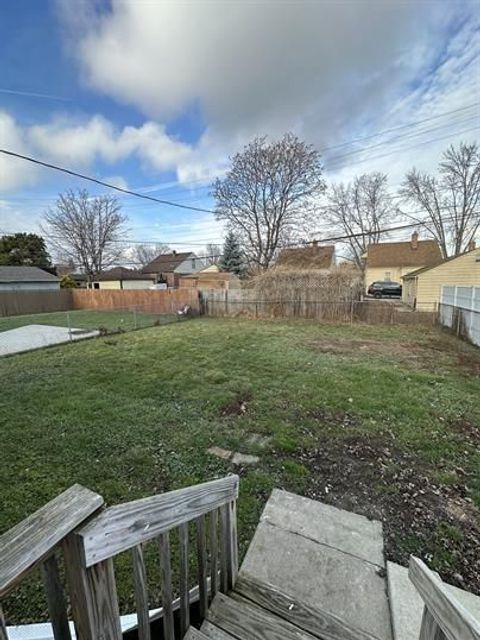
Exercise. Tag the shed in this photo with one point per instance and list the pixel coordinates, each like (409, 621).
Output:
(211, 278)
(422, 288)
(27, 279)
(122, 278)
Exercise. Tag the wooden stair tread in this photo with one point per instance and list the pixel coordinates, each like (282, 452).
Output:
(213, 632)
(194, 634)
(246, 621)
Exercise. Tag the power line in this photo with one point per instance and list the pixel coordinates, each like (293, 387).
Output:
(101, 182)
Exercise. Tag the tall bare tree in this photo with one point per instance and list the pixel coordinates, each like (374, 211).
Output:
(448, 202)
(360, 207)
(86, 229)
(267, 197)
(213, 253)
(145, 253)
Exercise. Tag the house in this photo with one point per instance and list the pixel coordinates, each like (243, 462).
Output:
(169, 267)
(422, 288)
(314, 256)
(392, 260)
(27, 279)
(210, 278)
(121, 278)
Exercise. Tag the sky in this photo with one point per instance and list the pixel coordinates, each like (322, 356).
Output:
(156, 95)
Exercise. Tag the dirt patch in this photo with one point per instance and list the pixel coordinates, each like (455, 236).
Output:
(237, 407)
(467, 430)
(469, 362)
(370, 475)
(337, 419)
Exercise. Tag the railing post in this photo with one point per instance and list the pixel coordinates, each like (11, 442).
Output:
(93, 594)
(55, 599)
(430, 629)
(3, 626)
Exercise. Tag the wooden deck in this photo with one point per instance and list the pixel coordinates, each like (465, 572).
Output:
(312, 571)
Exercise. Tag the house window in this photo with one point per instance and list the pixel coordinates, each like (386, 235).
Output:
(96, 285)
(388, 276)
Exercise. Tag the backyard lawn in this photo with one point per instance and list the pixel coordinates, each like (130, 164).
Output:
(384, 421)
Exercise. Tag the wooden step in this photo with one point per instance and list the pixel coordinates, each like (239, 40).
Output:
(213, 632)
(246, 621)
(194, 634)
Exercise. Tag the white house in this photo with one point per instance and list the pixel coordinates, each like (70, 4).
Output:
(27, 279)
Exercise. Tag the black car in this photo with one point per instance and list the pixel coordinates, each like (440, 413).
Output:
(386, 288)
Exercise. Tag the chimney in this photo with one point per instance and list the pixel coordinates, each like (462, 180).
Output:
(315, 243)
(174, 252)
(471, 245)
(414, 241)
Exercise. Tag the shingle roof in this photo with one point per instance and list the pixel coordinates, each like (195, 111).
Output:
(311, 257)
(413, 274)
(402, 254)
(26, 274)
(121, 273)
(166, 262)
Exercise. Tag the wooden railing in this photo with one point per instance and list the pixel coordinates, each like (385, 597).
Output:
(89, 550)
(444, 618)
(36, 542)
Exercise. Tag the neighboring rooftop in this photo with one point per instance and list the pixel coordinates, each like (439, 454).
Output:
(122, 273)
(413, 253)
(311, 257)
(25, 274)
(167, 262)
(413, 274)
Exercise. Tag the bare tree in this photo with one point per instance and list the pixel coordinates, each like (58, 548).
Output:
(213, 254)
(86, 229)
(268, 195)
(142, 254)
(360, 210)
(449, 201)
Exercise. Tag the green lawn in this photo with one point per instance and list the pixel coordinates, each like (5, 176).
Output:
(111, 321)
(380, 420)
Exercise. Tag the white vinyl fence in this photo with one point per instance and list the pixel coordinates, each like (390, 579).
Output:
(460, 311)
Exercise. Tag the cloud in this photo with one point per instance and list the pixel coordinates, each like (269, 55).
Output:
(78, 145)
(327, 70)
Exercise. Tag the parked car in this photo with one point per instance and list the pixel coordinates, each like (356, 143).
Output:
(381, 289)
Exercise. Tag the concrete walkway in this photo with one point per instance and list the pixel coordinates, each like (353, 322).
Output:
(36, 336)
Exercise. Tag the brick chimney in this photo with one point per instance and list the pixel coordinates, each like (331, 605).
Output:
(414, 240)
(315, 243)
(174, 252)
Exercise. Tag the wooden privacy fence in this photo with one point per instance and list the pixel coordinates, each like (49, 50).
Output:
(89, 549)
(17, 303)
(162, 301)
(249, 303)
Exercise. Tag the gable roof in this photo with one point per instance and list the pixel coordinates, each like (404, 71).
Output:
(166, 262)
(122, 273)
(311, 257)
(402, 254)
(26, 274)
(414, 274)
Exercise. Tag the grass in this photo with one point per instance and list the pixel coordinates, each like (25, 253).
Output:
(111, 321)
(134, 414)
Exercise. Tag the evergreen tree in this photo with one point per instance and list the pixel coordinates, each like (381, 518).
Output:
(24, 249)
(232, 259)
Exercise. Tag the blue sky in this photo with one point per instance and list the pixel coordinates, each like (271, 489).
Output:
(156, 95)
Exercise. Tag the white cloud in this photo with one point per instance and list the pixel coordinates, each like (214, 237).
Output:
(327, 70)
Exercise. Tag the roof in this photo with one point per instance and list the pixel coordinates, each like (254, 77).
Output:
(122, 273)
(314, 256)
(26, 274)
(414, 274)
(166, 262)
(402, 254)
(209, 275)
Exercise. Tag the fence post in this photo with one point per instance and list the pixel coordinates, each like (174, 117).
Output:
(351, 311)
(134, 317)
(93, 594)
(69, 326)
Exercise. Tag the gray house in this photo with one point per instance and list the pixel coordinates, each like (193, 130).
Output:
(27, 279)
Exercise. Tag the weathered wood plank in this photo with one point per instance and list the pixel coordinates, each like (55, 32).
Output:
(430, 629)
(141, 595)
(224, 550)
(184, 591)
(213, 632)
(233, 542)
(123, 526)
(29, 542)
(313, 620)
(166, 586)
(56, 599)
(214, 551)
(202, 565)
(246, 621)
(195, 634)
(93, 594)
(453, 619)
(3, 626)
